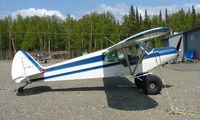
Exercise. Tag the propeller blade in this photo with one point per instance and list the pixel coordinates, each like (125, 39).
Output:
(179, 44)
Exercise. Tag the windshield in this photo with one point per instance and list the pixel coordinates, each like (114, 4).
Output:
(149, 48)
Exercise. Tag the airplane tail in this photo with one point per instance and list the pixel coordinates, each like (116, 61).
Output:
(24, 66)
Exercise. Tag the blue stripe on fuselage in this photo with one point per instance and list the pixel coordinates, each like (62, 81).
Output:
(77, 71)
(76, 63)
(162, 52)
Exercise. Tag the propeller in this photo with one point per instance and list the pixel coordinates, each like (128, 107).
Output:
(179, 43)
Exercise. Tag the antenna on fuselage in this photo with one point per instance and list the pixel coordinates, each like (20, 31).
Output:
(109, 40)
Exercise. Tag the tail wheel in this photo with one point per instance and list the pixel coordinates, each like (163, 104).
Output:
(152, 85)
(20, 90)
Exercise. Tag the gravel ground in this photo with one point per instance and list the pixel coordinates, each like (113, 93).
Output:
(100, 99)
(185, 67)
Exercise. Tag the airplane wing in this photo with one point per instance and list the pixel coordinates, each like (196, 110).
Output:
(140, 37)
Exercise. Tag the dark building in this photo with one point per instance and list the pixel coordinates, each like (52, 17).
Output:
(190, 41)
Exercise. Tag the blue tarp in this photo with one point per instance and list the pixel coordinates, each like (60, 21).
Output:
(189, 54)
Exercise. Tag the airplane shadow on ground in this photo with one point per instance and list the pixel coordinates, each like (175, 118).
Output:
(121, 94)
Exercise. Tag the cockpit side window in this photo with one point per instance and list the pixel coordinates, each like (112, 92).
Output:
(133, 54)
(114, 56)
(111, 57)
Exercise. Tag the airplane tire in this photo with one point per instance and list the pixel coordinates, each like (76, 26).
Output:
(45, 61)
(152, 85)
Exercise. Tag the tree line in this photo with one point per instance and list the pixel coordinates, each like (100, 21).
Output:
(92, 32)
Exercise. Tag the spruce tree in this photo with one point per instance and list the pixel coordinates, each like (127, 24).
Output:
(166, 17)
(132, 13)
(193, 17)
(160, 18)
(147, 24)
(137, 20)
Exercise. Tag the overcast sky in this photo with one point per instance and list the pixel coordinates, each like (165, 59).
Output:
(78, 8)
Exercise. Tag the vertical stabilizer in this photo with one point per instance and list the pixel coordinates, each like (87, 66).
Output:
(23, 66)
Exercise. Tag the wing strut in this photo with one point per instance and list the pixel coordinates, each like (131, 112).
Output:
(141, 57)
(126, 57)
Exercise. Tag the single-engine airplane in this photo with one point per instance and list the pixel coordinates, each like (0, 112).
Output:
(131, 56)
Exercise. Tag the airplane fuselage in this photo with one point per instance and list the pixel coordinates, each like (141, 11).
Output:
(94, 65)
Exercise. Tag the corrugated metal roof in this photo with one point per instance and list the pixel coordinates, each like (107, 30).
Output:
(181, 33)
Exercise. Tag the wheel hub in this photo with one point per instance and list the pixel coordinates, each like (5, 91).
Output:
(152, 86)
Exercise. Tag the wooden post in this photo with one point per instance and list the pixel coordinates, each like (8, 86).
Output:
(119, 38)
(1, 47)
(10, 49)
(82, 40)
(41, 44)
(90, 44)
(49, 44)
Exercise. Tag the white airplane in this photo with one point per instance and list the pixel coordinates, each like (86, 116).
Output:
(130, 56)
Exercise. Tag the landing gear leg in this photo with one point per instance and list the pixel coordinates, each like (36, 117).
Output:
(21, 89)
(139, 82)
